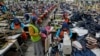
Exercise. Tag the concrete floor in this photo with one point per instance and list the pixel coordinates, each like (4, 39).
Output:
(30, 51)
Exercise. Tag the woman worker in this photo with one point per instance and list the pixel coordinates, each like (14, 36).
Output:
(35, 37)
(16, 24)
(27, 18)
(18, 27)
(60, 32)
(60, 36)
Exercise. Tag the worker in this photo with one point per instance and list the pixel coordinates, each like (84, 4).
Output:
(18, 27)
(34, 32)
(16, 24)
(3, 8)
(60, 35)
(27, 18)
(61, 31)
(65, 16)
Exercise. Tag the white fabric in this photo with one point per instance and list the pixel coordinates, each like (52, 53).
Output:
(97, 35)
(77, 45)
(96, 51)
(80, 31)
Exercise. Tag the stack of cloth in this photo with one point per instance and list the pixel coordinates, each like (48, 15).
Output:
(91, 42)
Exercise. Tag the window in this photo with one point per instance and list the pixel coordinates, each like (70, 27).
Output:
(22, 0)
(35, 0)
(81, 1)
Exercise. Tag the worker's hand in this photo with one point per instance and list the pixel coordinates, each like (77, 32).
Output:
(59, 39)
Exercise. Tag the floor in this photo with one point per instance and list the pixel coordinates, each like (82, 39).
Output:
(30, 50)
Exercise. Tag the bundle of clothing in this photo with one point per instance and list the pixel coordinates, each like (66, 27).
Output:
(76, 16)
(81, 48)
(86, 21)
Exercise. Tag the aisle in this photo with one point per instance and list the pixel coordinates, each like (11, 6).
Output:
(30, 50)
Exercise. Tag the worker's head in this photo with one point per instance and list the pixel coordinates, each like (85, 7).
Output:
(33, 19)
(16, 21)
(65, 26)
(26, 16)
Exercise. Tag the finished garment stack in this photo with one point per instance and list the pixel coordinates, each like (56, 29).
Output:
(91, 43)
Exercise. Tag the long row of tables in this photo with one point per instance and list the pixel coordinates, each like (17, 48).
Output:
(11, 41)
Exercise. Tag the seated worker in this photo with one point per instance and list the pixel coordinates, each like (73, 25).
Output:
(18, 27)
(60, 32)
(27, 18)
(65, 17)
(16, 24)
(3, 8)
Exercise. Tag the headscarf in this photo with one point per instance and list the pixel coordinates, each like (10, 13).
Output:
(26, 16)
(33, 18)
(16, 20)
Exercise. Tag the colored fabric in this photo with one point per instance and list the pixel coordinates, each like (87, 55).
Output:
(24, 35)
(43, 36)
(47, 28)
(85, 51)
(43, 33)
(34, 33)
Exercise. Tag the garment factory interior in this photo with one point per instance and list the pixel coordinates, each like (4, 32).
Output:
(49, 27)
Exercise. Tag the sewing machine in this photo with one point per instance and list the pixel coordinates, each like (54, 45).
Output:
(4, 32)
